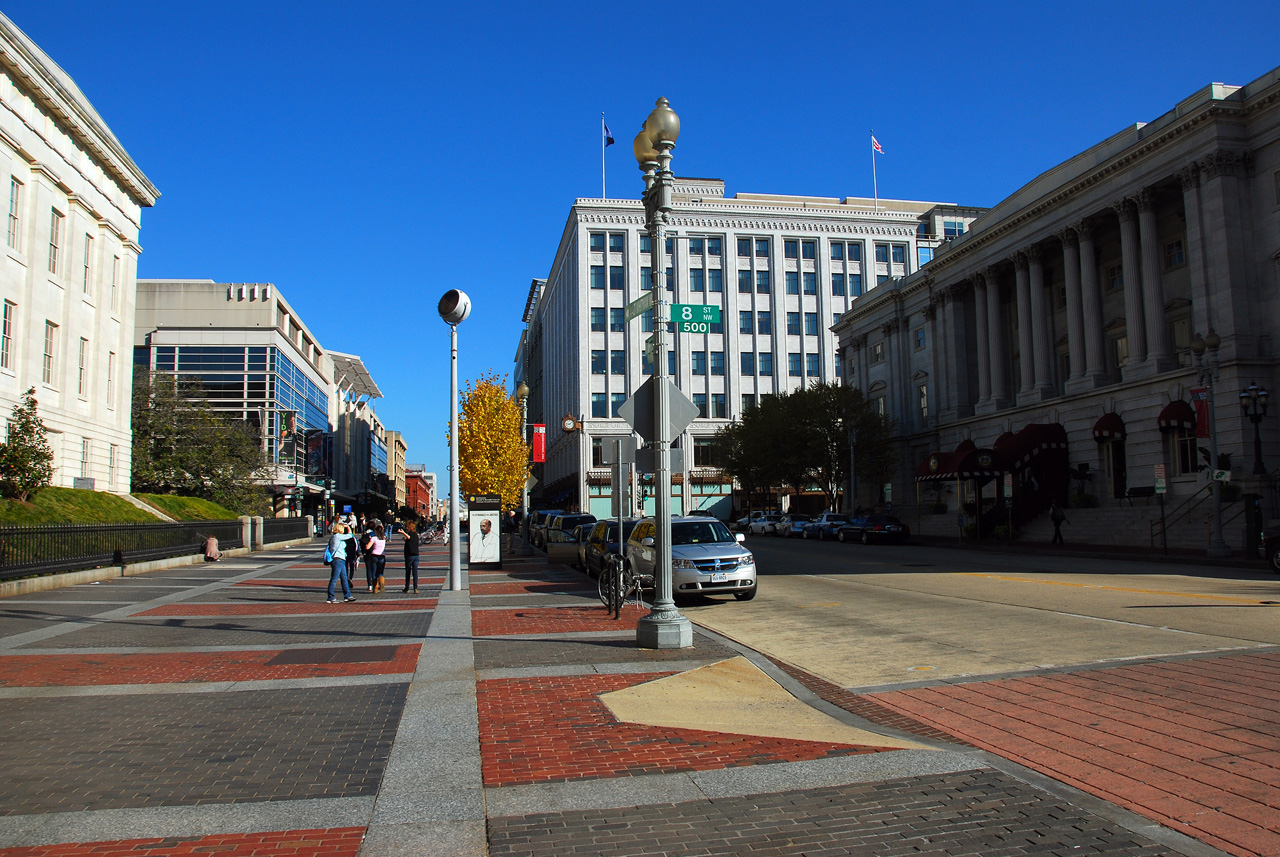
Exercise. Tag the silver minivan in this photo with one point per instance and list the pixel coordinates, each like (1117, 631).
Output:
(706, 559)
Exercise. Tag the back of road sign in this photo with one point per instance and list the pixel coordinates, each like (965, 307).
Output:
(638, 411)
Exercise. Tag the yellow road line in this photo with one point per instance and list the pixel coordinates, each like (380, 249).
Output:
(1229, 598)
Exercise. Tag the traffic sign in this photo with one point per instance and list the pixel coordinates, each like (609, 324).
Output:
(639, 306)
(695, 318)
(638, 410)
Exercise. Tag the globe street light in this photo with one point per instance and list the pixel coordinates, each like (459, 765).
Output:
(664, 627)
(1208, 373)
(454, 307)
(1253, 401)
(522, 395)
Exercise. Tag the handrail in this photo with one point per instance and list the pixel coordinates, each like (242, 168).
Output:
(1182, 510)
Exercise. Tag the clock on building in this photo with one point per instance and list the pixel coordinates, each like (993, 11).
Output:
(569, 423)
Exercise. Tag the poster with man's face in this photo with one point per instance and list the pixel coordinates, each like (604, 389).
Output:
(483, 537)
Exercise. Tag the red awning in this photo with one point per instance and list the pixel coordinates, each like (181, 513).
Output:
(967, 462)
(1109, 427)
(1178, 414)
(1003, 441)
(1031, 440)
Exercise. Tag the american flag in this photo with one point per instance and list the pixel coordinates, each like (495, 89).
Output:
(875, 144)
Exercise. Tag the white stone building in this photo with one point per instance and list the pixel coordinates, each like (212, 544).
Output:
(782, 269)
(70, 260)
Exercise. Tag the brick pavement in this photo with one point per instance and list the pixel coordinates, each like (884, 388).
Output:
(337, 842)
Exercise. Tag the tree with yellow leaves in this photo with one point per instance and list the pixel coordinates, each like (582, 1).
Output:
(493, 458)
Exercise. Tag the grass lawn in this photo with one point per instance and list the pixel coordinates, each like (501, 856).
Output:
(72, 506)
(187, 508)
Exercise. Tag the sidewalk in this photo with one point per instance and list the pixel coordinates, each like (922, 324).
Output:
(228, 709)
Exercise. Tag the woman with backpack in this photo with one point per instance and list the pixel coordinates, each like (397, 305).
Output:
(410, 555)
(336, 553)
(376, 557)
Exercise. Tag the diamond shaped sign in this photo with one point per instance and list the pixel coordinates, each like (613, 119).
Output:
(638, 411)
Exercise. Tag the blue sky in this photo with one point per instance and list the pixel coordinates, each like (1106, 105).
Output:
(368, 157)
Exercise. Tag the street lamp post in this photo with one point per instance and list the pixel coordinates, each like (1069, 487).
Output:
(1253, 401)
(522, 395)
(664, 627)
(1208, 373)
(454, 307)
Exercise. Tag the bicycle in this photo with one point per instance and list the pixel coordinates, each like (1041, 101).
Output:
(619, 585)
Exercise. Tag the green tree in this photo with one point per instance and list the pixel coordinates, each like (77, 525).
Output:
(181, 445)
(492, 456)
(26, 459)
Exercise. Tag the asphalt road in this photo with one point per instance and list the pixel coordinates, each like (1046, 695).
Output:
(884, 616)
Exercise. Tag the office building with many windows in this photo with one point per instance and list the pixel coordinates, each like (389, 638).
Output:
(75, 200)
(781, 270)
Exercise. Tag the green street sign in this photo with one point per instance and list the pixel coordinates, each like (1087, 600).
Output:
(639, 306)
(694, 318)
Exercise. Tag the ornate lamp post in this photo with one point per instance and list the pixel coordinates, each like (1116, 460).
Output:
(664, 627)
(522, 396)
(1208, 373)
(1253, 401)
(454, 307)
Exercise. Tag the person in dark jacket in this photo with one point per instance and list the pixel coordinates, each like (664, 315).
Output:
(410, 555)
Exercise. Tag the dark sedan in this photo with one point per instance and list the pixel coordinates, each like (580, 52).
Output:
(874, 528)
(602, 541)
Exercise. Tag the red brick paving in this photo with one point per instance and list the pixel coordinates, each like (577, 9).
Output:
(531, 587)
(335, 842)
(1171, 741)
(287, 582)
(142, 668)
(288, 609)
(555, 728)
(553, 620)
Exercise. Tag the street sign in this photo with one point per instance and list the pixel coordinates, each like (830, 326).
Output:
(650, 347)
(695, 318)
(1008, 484)
(619, 450)
(1161, 485)
(638, 410)
(1222, 475)
(645, 462)
(639, 306)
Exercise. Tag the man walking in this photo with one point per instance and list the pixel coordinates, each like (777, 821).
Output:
(1057, 516)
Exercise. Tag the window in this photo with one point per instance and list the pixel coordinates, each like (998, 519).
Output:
(115, 280)
(700, 400)
(50, 348)
(618, 362)
(15, 210)
(952, 228)
(617, 242)
(597, 452)
(597, 318)
(704, 452)
(835, 318)
(855, 284)
(793, 324)
(671, 363)
(111, 380)
(719, 409)
(698, 359)
(715, 280)
(646, 322)
(599, 405)
(55, 241)
(671, 280)
(881, 279)
(882, 252)
(922, 400)
(762, 248)
(1173, 254)
(748, 361)
(919, 336)
(811, 365)
(837, 252)
(84, 456)
(793, 282)
(1115, 277)
(670, 244)
(112, 452)
(646, 364)
(762, 282)
(924, 255)
(811, 324)
(744, 247)
(744, 282)
(748, 401)
(837, 284)
(646, 243)
(697, 280)
(839, 369)
(879, 406)
(646, 278)
(86, 277)
(82, 368)
(1120, 351)
(695, 246)
(899, 254)
(766, 363)
(717, 362)
(616, 278)
(793, 365)
(597, 361)
(746, 321)
(1180, 450)
(597, 276)
(713, 246)
(791, 248)
(716, 327)
(6, 334)
(855, 252)
(877, 353)
(810, 283)
(616, 401)
(617, 320)
(809, 249)
(597, 242)
(764, 322)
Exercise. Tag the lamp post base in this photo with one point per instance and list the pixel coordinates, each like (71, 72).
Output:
(654, 633)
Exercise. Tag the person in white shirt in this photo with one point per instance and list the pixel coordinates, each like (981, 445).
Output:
(484, 547)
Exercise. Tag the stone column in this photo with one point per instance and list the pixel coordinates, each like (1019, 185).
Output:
(995, 341)
(1159, 356)
(1075, 315)
(1189, 177)
(1095, 347)
(1026, 346)
(1040, 329)
(941, 361)
(1135, 325)
(959, 393)
(980, 323)
(1225, 223)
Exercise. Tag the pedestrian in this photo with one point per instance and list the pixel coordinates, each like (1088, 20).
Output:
(1057, 516)
(378, 553)
(336, 554)
(366, 556)
(211, 552)
(410, 555)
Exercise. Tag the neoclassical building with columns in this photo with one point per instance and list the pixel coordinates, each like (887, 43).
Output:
(1057, 331)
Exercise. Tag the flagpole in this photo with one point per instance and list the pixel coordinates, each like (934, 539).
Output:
(603, 195)
(875, 187)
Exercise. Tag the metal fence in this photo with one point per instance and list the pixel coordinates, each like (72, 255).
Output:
(284, 530)
(70, 547)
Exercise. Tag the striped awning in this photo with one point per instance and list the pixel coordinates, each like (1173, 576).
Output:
(1178, 414)
(1109, 427)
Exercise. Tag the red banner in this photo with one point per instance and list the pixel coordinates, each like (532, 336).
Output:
(1200, 401)
(539, 443)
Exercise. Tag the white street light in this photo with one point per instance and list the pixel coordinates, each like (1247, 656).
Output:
(454, 308)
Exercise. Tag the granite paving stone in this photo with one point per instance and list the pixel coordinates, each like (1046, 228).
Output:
(496, 652)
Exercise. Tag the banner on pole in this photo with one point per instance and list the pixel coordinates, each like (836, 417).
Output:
(1200, 401)
(539, 443)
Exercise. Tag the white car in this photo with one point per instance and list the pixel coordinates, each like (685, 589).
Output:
(790, 525)
(763, 525)
(706, 559)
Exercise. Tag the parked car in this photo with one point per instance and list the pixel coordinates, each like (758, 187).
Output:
(1271, 547)
(824, 526)
(874, 528)
(579, 537)
(744, 524)
(537, 522)
(706, 558)
(790, 525)
(559, 529)
(763, 525)
(702, 513)
(603, 541)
